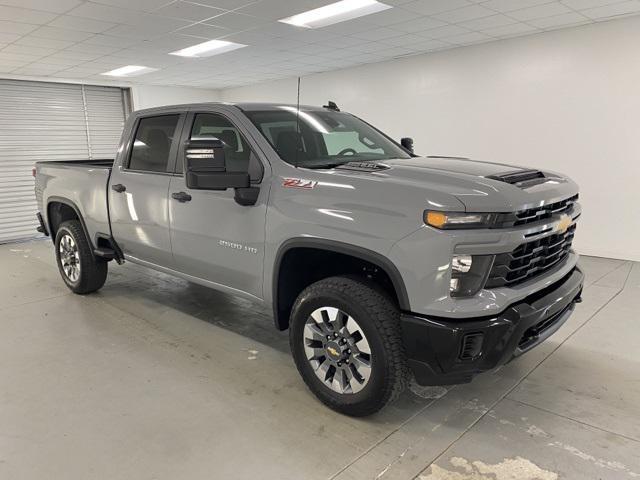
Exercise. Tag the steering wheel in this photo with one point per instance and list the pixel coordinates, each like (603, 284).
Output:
(347, 150)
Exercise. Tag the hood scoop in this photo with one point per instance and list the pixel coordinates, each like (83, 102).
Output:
(521, 178)
(363, 166)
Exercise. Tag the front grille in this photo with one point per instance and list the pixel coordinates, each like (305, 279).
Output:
(546, 211)
(537, 214)
(530, 259)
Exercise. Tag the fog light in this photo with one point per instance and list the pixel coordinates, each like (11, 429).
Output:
(461, 263)
(468, 274)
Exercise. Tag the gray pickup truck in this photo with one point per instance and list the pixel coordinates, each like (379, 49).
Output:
(382, 264)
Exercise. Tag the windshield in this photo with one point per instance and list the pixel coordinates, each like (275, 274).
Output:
(323, 138)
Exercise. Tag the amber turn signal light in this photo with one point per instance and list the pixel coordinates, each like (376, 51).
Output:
(436, 219)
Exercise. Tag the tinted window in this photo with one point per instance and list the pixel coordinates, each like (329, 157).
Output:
(152, 143)
(207, 126)
(322, 138)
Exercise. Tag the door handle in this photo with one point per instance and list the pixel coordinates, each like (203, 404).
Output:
(118, 187)
(181, 197)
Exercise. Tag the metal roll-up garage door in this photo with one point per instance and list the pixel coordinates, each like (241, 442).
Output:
(105, 118)
(49, 121)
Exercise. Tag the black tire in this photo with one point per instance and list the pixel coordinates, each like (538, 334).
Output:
(92, 270)
(378, 318)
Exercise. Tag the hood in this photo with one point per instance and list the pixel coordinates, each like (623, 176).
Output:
(479, 186)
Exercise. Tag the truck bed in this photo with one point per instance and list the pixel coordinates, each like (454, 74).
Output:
(82, 183)
(108, 163)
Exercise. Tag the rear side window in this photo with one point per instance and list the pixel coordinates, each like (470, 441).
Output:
(152, 143)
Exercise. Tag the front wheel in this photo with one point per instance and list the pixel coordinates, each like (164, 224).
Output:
(80, 269)
(345, 340)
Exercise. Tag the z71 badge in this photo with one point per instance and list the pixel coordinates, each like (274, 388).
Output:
(299, 183)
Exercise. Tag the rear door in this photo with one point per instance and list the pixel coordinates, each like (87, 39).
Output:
(139, 187)
(213, 237)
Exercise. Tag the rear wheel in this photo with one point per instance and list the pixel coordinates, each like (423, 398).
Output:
(80, 269)
(345, 339)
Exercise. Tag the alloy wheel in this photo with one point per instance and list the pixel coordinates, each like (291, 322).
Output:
(69, 258)
(337, 350)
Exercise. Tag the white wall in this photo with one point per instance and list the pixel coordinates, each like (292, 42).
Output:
(567, 100)
(147, 96)
(143, 96)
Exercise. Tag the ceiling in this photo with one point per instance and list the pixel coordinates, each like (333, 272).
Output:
(75, 39)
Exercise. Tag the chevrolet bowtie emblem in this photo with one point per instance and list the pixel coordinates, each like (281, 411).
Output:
(333, 351)
(563, 224)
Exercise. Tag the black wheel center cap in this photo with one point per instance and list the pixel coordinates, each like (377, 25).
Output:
(334, 351)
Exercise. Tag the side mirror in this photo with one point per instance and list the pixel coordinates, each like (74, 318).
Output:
(407, 143)
(206, 167)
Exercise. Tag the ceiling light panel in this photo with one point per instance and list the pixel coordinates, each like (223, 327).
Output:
(207, 49)
(335, 13)
(129, 71)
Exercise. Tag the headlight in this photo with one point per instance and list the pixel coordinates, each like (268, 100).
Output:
(450, 220)
(469, 274)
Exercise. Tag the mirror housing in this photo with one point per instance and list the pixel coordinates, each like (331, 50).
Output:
(246, 196)
(206, 168)
(407, 143)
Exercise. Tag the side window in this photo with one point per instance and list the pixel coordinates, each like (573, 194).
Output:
(152, 143)
(207, 126)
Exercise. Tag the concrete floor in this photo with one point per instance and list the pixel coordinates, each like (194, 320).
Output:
(157, 378)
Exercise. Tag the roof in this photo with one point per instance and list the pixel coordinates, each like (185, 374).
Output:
(273, 106)
(241, 105)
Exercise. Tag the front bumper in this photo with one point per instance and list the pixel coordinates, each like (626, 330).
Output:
(443, 351)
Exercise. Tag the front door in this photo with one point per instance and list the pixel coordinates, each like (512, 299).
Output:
(138, 190)
(212, 236)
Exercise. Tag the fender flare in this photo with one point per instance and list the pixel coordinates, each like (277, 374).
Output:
(361, 253)
(71, 204)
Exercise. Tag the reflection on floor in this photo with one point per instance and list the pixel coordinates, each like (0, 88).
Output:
(157, 378)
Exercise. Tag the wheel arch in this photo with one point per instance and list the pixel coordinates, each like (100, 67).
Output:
(59, 210)
(283, 296)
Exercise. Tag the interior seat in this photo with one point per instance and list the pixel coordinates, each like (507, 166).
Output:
(159, 146)
(289, 146)
(236, 161)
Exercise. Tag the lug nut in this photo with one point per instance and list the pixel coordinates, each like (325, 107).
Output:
(335, 335)
(339, 364)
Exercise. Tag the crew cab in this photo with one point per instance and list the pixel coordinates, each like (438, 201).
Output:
(382, 264)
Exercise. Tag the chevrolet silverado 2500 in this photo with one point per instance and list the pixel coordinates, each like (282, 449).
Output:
(382, 264)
